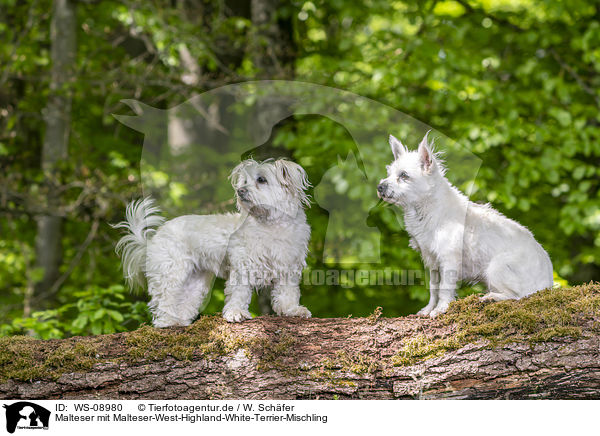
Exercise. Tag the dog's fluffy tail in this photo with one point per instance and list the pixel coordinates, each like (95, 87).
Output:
(141, 218)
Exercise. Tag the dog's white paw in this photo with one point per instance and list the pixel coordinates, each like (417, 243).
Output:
(300, 311)
(162, 319)
(162, 323)
(493, 297)
(236, 315)
(435, 313)
(487, 298)
(425, 311)
(440, 308)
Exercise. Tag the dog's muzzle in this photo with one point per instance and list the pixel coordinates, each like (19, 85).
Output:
(382, 190)
(242, 194)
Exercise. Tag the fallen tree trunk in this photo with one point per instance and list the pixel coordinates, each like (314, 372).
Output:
(458, 356)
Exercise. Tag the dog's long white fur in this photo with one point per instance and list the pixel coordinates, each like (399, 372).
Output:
(263, 245)
(459, 239)
(141, 220)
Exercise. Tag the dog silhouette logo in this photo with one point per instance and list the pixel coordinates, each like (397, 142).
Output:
(26, 415)
(197, 142)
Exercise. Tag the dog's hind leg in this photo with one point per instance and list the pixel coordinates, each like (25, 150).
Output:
(195, 294)
(162, 315)
(185, 302)
(506, 278)
(166, 287)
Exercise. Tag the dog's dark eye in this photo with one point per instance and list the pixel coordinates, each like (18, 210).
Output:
(261, 180)
(403, 175)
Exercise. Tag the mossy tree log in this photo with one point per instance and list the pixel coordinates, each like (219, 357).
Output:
(545, 346)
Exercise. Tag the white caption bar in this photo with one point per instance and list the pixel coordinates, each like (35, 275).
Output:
(89, 418)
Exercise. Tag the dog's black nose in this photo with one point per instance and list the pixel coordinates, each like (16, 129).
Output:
(242, 192)
(381, 188)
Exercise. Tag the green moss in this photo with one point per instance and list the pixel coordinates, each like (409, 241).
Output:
(372, 318)
(22, 359)
(543, 316)
(331, 378)
(351, 362)
(209, 337)
(551, 333)
(81, 356)
(345, 383)
(419, 348)
(561, 309)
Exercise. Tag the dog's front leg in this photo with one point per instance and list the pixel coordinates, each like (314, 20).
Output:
(285, 300)
(237, 300)
(447, 288)
(434, 284)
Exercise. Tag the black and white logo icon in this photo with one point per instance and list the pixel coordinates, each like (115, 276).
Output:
(26, 415)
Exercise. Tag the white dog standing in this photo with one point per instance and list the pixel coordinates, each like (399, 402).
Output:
(264, 245)
(459, 239)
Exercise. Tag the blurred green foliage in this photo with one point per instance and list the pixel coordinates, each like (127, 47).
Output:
(514, 81)
(96, 311)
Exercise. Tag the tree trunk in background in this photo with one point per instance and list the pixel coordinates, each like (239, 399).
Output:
(272, 45)
(273, 54)
(292, 358)
(57, 115)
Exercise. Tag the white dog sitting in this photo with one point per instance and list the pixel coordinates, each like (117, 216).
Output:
(264, 245)
(459, 239)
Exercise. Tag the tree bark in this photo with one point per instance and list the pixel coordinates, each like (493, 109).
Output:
(57, 115)
(289, 358)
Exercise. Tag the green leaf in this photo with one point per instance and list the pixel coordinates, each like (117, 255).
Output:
(563, 117)
(80, 322)
(116, 315)
(96, 328)
(98, 314)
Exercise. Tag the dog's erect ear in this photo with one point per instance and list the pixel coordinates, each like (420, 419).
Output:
(293, 177)
(398, 148)
(425, 153)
